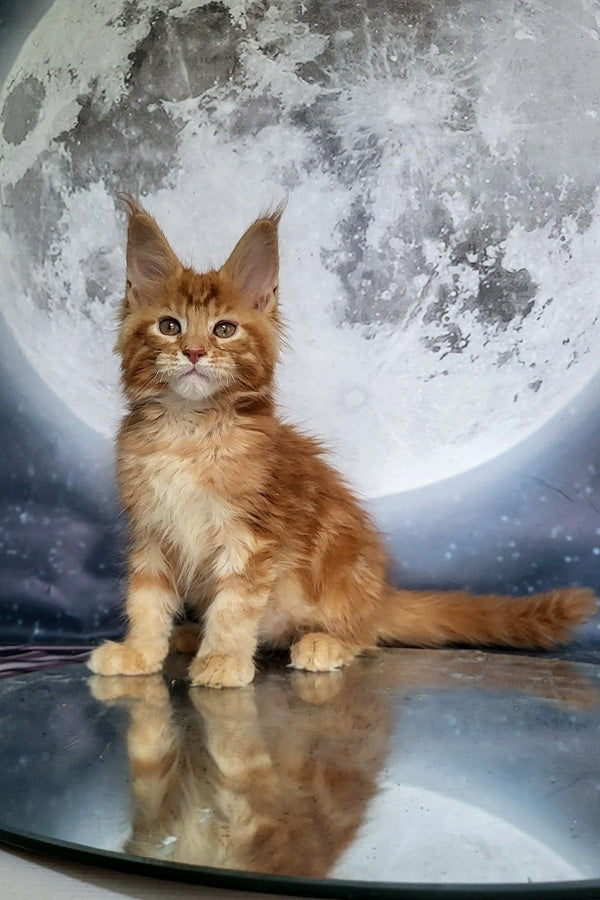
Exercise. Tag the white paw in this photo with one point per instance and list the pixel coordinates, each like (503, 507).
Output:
(113, 658)
(320, 653)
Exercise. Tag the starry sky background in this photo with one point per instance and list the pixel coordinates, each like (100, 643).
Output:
(528, 521)
(59, 556)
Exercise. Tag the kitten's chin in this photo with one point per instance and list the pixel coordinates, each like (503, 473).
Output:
(194, 387)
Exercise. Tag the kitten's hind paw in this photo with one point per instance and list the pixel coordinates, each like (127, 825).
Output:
(321, 652)
(220, 671)
(113, 658)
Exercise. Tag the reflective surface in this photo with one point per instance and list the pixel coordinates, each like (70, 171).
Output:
(412, 766)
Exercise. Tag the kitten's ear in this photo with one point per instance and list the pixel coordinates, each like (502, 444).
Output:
(253, 267)
(150, 261)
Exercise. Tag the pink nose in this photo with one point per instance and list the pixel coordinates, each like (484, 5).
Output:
(194, 355)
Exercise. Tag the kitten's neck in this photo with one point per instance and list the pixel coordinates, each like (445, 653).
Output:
(172, 408)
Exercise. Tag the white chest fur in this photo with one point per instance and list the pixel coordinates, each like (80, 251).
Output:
(198, 526)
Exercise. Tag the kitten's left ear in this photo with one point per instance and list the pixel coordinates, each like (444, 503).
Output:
(253, 266)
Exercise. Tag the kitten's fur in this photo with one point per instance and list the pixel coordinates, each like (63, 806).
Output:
(237, 513)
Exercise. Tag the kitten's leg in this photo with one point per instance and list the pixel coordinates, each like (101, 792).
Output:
(226, 655)
(322, 652)
(152, 601)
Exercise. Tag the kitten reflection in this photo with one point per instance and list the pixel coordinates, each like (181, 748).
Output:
(271, 781)
(276, 777)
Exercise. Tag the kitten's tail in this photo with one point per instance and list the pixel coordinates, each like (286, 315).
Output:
(431, 618)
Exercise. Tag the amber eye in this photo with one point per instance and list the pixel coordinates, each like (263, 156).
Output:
(224, 329)
(169, 326)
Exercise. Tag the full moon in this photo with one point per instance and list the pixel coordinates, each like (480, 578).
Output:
(440, 244)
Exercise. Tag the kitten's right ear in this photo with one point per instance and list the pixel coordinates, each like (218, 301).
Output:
(151, 262)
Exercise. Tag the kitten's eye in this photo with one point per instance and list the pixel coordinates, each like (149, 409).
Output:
(224, 329)
(169, 326)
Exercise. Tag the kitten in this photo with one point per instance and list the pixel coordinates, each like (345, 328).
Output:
(237, 513)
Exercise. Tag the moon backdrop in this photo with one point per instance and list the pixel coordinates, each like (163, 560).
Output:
(440, 277)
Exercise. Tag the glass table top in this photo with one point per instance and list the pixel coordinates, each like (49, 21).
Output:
(409, 771)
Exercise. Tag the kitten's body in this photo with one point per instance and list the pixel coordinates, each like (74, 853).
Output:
(237, 513)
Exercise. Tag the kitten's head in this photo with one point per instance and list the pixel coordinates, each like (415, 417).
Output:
(199, 336)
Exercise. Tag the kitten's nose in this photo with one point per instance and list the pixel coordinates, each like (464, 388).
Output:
(194, 355)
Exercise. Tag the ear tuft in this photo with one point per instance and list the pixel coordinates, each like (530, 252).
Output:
(253, 266)
(151, 262)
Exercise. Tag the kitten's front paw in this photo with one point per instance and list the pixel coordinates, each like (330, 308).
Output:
(220, 671)
(320, 652)
(113, 658)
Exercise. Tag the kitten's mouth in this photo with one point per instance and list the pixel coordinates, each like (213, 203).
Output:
(194, 371)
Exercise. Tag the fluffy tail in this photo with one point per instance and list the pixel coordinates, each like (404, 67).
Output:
(430, 618)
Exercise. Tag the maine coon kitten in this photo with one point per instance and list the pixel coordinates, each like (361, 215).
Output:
(237, 513)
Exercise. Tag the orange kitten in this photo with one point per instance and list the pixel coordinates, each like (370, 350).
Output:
(238, 514)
